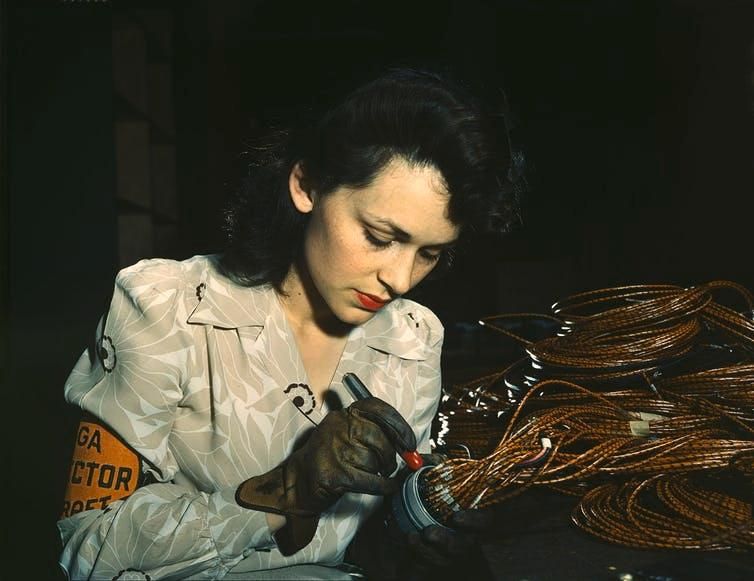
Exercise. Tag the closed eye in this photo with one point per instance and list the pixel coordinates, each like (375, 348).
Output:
(376, 242)
(430, 257)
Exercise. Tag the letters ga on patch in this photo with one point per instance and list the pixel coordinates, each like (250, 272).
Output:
(103, 469)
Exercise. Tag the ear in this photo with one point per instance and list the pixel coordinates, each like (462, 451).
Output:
(301, 198)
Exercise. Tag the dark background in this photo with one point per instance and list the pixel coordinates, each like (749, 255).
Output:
(636, 118)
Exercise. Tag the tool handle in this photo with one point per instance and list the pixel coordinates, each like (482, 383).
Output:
(355, 386)
(359, 391)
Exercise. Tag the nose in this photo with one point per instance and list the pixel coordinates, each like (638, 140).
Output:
(397, 272)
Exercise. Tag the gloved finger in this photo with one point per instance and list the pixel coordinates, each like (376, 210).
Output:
(389, 419)
(371, 436)
(427, 553)
(371, 454)
(448, 541)
(474, 519)
(340, 431)
(366, 482)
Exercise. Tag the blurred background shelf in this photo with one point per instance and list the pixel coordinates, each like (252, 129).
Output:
(144, 131)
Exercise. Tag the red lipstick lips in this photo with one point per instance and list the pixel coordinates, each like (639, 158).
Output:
(370, 302)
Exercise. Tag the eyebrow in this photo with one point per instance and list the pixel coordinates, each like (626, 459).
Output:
(401, 235)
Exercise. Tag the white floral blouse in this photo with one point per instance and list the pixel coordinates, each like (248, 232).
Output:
(203, 379)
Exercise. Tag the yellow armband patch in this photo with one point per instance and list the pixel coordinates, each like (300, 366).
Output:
(103, 469)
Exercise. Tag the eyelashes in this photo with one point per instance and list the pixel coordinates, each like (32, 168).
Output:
(430, 257)
(376, 242)
(380, 244)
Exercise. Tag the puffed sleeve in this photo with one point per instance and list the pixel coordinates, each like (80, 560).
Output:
(131, 381)
(428, 380)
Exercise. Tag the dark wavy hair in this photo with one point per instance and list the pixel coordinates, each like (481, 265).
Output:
(418, 116)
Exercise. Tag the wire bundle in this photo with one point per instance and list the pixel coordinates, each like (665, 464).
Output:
(690, 516)
(629, 332)
(631, 453)
(570, 443)
(471, 415)
(729, 389)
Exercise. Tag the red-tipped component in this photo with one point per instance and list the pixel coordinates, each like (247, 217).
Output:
(413, 459)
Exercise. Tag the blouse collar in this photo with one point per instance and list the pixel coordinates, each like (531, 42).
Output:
(224, 304)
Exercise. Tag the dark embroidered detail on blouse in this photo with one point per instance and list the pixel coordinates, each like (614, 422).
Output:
(302, 397)
(411, 316)
(106, 352)
(200, 291)
(132, 574)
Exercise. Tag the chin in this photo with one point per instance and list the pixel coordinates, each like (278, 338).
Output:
(355, 316)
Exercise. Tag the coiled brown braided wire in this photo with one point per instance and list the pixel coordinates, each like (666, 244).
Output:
(621, 445)
(630, 331)
(694, 517)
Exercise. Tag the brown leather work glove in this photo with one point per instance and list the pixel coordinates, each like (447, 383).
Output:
(381, 550)
(435, 547)
(352, 450)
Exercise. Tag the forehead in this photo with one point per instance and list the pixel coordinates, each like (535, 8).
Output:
(412, 197)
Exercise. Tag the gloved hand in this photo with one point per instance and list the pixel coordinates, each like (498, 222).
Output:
(352, 450)
(438, 547)
(384, 552)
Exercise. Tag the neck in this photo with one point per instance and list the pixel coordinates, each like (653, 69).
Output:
(304, 307)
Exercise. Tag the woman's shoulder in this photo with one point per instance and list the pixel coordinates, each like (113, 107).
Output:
(196, 289)
(165, 273)
(164, 277)
(420, 319)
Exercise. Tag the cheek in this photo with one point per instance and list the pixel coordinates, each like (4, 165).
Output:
(333, 248)
(419, 273)
(350, 254)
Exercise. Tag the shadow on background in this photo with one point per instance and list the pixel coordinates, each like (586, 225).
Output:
(636, 118)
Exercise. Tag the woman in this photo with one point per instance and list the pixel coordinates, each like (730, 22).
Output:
(218, 437)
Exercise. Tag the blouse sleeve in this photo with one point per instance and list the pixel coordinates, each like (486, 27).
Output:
(131, 380)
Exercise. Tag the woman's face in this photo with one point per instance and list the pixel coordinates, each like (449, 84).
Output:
(364, 247)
